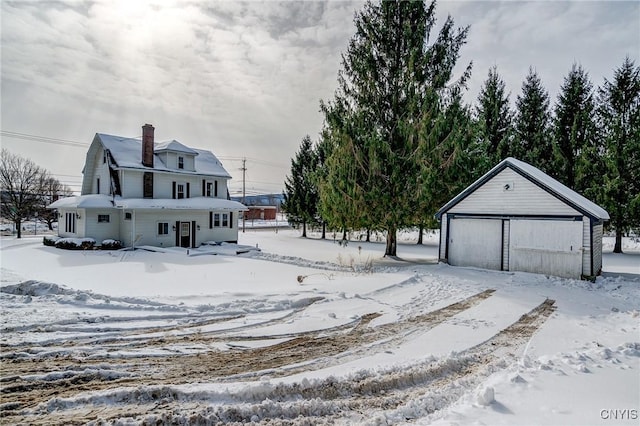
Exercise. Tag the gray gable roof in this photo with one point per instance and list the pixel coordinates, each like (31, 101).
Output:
(541, 179)
(126, 153)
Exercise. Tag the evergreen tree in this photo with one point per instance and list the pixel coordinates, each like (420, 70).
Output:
(301, 193)
(619, 116)
(389, 73)
(452, 161)
(494, 117)
(531, 125)
(574, 130)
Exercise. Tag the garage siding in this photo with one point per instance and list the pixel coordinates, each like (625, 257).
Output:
(443, 236)
(597, 249)
(586, 246)
(523, 197)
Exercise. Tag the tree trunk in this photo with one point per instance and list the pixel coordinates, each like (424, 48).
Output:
(324, 230)
(18, 224)
(618, 247)
(304, 229)
(421, 230)
(344, 234)
(368, 235)
(392, 243)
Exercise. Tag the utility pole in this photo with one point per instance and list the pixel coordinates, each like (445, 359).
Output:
(244, 173)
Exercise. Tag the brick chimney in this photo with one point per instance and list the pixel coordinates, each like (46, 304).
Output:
(147, 145)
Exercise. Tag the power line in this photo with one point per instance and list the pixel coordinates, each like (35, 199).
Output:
(44, 139)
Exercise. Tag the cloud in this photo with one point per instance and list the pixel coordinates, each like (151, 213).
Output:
(245, 78)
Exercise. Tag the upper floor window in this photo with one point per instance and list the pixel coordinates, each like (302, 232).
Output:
(103, 218)
(209, 189)
(127, 216)
(147, 185)
(181, 162)
(180, 191)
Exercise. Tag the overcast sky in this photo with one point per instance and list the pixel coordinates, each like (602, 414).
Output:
(244, 79)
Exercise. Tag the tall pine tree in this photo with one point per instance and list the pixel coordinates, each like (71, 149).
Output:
(532, 141)
(301, 193)
(619, 115)
(494, 117)
(388, 74)
(574, 130)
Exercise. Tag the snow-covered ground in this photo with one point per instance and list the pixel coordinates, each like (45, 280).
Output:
(306, 331)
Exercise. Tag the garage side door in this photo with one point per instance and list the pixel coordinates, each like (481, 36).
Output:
(475, 242)
(551, 247)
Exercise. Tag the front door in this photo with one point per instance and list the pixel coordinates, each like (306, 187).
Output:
(185, 234)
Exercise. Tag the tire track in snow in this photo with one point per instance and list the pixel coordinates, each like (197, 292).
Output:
(372, 397)
(202, 367)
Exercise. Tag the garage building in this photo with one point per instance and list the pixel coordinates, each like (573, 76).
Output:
(517, 218)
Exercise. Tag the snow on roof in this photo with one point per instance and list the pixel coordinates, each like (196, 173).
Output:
(196, 203)
(91, 201)
(105, 201)
(554, 187)
(174, 146)
(127, 153)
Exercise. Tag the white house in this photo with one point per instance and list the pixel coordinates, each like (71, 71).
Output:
(517, 218)
(143, 193)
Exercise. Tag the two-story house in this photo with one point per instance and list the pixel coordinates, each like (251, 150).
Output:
(143, 193)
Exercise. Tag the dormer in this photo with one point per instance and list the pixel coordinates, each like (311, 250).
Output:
(176, 156)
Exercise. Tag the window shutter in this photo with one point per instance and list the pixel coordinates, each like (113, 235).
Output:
(174, 191)
(177, 230)
(204, 184)
(210, 220)
(193, 234)
(230, 219)
(215, 188)
(188, 191)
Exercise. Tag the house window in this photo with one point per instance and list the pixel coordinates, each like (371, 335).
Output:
(225, 220)
(147, 185)
(70, 223)
(127, 216)
(103, 218)
(216, 219)
(181, 162)
(163, 228)
(180, 190)
(209, 187)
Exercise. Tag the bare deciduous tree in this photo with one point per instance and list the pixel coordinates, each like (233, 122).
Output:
(23, 184)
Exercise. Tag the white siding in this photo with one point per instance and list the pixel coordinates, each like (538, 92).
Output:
(443, 237)
(586, 246)
(597, 249)
(102, 231)
(523, 197)
(146, 228)
(163, 184)
(131, 184)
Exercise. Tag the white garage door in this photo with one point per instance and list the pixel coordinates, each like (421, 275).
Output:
(475, 242)
(551, 247)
